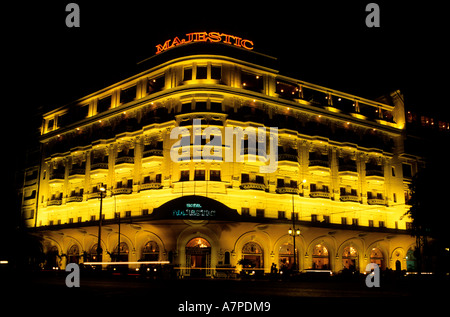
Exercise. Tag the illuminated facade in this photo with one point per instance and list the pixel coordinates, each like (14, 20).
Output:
(340, 173)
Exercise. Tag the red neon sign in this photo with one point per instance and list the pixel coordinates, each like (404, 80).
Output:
(213, 37)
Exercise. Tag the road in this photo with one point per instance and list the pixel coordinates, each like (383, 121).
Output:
(113, 294)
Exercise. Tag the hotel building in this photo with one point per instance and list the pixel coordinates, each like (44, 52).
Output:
(341, 178)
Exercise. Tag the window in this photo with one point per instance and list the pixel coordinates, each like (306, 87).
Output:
(260, 213)
(199, 175)
(381, 224)
(216, 72)
(184, 176)
(245, 212)
(326, 219)
(287, 90)
(214, 175)
(245, 178)
(50, 124)
(216, 107)
(252, 82)
(407, 170)
(259, 179)
(128, 94)
(103, 104)
(156, 84)
(202, 72)
(186, 108)
(355, 221)
(281, 214)
(150, 251)
(187, 73)
(370, 223)
(320, 256)
(280, 182)
(343, 220)
(253, 252)
(314, 218)
(200, 106)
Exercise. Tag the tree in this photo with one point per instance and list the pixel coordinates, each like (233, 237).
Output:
(430, 211)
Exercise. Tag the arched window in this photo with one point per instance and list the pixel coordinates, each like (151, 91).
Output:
(121, 256)
(253, 252)
(350, 258)
(198, 257)
(321, 258)
(411, 261)
(150, 251)
(286, 256)
(51, 258)
(376, 256)
(93, 253)
(73, 254)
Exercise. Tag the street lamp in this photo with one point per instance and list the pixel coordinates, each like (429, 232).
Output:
(295, 231)
(102, 189)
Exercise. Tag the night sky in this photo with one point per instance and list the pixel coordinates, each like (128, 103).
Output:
(48, 64)
(326, 43)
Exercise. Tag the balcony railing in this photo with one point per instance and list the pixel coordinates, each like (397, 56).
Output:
(319, 194)
(376, 201)
(125, 159)
(151, 186)
(74, 199)
(77, 171)
(123, 190)
(54, 202)
(97, 166)
(288, 157)
(287, 190)
(153, 152)
(321, 163)
(375, 172)
(57, 175)
(256, 186)
(353, 198)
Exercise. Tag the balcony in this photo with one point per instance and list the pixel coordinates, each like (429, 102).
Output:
(94, 195)
(125, 160)
(319, 167)
(77, 172)
(74, 199)
(320, 194)
(349, 197)
(153, 152)
(250, 185)
(376, 201)
(54, 202)
(123, 190)
(99, 166)
(287, 190)
(147, 186)
(152, 156)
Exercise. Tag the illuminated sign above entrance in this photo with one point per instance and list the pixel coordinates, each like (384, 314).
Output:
(196, 208)
(212, 37)
(193, 210)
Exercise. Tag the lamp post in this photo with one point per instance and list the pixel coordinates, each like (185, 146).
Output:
(99, 243)
(294, 232)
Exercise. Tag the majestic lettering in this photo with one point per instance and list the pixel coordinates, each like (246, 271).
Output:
(212, 37)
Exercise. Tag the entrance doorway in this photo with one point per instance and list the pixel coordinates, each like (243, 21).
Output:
(198, 258)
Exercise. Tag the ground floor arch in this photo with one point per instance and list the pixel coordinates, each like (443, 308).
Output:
(203, 248)
(198, 257)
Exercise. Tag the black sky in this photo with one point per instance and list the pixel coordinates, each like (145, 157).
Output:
(323, 42)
